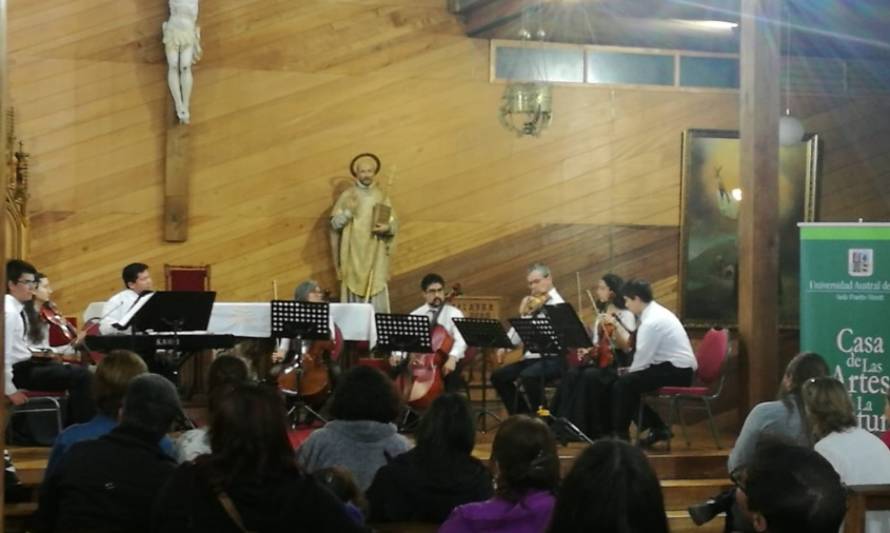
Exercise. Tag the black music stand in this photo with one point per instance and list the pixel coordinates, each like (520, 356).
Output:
(485, 334)
(405, 333)
(173, 311)
(300, 321)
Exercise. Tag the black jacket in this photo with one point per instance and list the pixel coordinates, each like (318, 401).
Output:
(410, 489)
(297, 503)
(104, 485)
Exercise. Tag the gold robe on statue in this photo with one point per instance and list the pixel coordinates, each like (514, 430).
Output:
(354, 246)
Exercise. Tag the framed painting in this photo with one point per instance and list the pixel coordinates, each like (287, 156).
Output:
(710, 200)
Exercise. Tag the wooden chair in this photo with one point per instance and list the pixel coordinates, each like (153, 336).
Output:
(862, 498)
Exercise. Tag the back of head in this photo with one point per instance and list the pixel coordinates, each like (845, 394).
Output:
(365, 393)
(828, 406)
(248, 436)
(225, 373)
(794, 489)
(637, 288)
(301, 293)
(131, 272)
(151, 404)
(524, 453)
(611, 488)
(804, 367)
(113, 376)
(446, 429)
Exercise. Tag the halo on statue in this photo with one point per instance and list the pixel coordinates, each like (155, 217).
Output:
(358, 158)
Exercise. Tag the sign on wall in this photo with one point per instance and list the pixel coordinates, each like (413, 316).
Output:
(845, 309)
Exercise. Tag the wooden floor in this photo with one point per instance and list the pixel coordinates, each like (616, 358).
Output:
(688, 473)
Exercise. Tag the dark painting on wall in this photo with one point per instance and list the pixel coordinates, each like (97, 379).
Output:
(711, 197)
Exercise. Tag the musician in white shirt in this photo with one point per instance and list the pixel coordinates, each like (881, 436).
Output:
(24, 371)
(432, 288)
(137, 280)
(663, 357)
(533, 368)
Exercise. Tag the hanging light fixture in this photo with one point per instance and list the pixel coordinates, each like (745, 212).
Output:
(790, 128)
(527, 107)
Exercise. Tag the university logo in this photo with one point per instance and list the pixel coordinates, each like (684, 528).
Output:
(861, 262)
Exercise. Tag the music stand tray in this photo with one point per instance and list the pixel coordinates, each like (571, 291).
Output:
(483, 333)
(174, 311)
(568, 326)
(306, 320)
(406, 333)
(537, 335)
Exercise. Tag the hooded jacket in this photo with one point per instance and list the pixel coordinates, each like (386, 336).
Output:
(360, 446)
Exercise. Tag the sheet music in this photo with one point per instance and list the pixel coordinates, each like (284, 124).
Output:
(139, 304)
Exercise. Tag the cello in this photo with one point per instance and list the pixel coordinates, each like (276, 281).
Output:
(308, 375)
(422, 381)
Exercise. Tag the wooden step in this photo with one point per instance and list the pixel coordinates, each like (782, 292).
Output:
(679, 494)
(680, 522)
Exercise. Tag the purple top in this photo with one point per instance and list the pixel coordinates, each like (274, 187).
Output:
(531, 514)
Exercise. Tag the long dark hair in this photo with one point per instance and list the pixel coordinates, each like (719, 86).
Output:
(35, 323)
(610, 489)
(447, 433)
(614, 282)
(524, 453)
(248, 438)
(802, 368)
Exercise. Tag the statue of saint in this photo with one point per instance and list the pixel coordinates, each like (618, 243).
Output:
(182, 44)
(363, 227)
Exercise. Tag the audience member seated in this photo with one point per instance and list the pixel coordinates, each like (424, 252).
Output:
(859, 457)
(108, 484)
(611, 487)
(782, 417)
(427, 482)
(250, 481)
(113, 374)
(361, 437)
(790, 489)
(340, 482)
(225, 373)
(527, 473)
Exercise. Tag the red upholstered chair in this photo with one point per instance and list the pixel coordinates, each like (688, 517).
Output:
(711, 354)
(187, 278)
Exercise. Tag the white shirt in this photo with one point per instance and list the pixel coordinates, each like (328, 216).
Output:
(448, 312)
(661, 338)
(115, 309)
(859, 458)
(15, 344)
(554, 299)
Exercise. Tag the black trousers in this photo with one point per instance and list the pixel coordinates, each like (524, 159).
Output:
(50, 375)
(532, 373)
(627, 389)
(584, 397)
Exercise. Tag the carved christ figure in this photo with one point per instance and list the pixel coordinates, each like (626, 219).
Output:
(182, 44)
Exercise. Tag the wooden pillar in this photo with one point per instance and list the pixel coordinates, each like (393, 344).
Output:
(759, 107)
(4, 104)
(176, 179)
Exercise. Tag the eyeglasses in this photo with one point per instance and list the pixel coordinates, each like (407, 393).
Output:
(29, 282)
(739, 477)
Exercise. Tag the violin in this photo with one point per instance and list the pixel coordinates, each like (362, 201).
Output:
(51, 315)
(421, 377)
(533, 304)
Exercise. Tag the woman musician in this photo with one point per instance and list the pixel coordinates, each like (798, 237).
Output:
(41, 315)
(583, 396)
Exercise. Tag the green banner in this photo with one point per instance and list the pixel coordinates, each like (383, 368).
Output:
(845, 309)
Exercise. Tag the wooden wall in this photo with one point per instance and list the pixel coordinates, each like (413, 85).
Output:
(289, 91)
